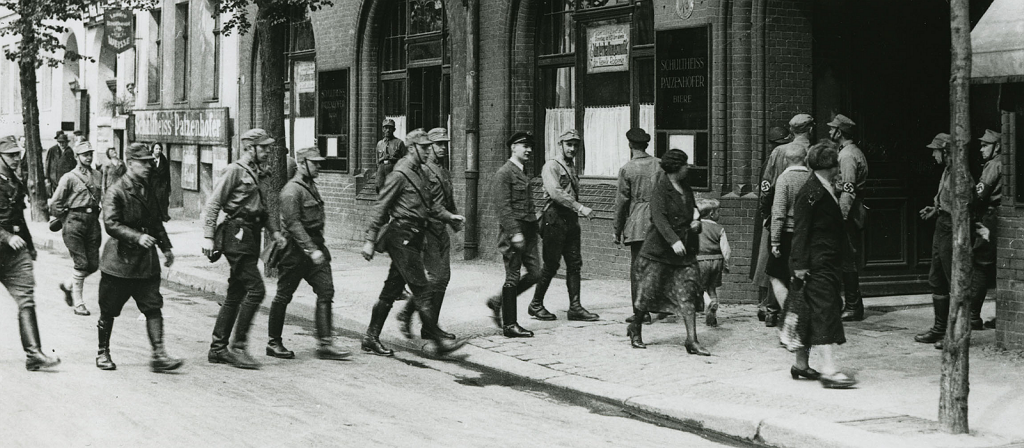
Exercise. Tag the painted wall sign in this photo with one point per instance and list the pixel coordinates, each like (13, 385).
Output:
(184, 126)
(608, 48)
(683, 73)
(117, 30)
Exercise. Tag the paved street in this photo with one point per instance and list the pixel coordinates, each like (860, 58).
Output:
(369, 401)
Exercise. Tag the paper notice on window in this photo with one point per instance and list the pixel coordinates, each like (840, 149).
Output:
(332, 147)
(684, 143)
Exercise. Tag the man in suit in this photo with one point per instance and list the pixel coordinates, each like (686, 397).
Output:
(161, 180)
(632, 203)
(129, 265)
(54, 168)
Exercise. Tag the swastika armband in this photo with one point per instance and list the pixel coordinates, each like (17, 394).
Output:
(980, 187)
(847, 187)
(765, 186)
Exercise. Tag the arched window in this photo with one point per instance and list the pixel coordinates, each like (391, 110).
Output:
(595, 73)
(415, 65)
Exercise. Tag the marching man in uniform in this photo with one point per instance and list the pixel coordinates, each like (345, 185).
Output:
(853, 174)
(77, 198)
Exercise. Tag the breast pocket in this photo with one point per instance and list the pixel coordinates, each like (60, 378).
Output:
(312, 211)
(520, 194)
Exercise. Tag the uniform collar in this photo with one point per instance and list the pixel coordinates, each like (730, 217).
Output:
(516, 163)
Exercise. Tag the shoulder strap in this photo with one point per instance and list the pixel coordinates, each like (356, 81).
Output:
(441, 181)
(87, 184)
(415, 187)
(310, 190)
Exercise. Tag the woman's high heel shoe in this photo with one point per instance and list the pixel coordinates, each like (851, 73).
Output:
(837, 381)
(808, 373)
(633, 332)
(694, 348)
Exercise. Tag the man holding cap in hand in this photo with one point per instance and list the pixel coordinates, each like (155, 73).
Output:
(77, 199)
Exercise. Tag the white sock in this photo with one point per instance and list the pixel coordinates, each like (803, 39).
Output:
(77, 286)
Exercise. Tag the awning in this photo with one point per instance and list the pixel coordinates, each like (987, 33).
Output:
(997, 44)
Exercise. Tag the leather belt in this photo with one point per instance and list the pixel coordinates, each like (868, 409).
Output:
(85, 209)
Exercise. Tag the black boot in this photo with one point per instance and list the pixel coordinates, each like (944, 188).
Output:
(436, 300)
(275, 326)
(495, 303)
(430, 330)
(509, 320)
(634, 332)
(371, 342)
(226, 317)
(325, 334)
(35, 358)
(103, 328)
(161, 362)
(978, 291)
(404, 318)
(938, 331)
(576, 311)
(854, 310)
(240, 345)
(762, 303)
(536, 308)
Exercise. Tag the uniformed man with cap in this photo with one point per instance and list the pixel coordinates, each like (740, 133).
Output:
(77, 199)
(517, 235)
(389, 151)
(54, 168)
(800, 126)
(305, 258)
(561, 229)
(853, 174)
(407, 201)
(766, 300)
(632, 202)
(941, 271)
(17, 254)
(129, 266)
(989, 193)
(238, 193)
(436, 242)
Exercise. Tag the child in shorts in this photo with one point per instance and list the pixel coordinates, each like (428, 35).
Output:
(713, 257)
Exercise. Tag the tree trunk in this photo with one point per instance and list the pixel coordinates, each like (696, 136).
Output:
(30, 118)
(954, 383)
(271, 33)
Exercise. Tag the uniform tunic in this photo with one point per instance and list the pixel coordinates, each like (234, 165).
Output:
(632, 203)
(511, 192)
(237, 192)
(853, 175)
(389, 152)
(78, 194)
(561, 229)
(15, 266)
(302, 219)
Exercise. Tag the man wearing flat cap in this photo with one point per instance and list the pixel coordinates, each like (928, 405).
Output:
(407, 201)
(57, 162)
(389, 151)
(517, 235)
(238, 193)
(941, 271)
(561, 229)
(17, 255)
(77, 200)
(800, 126)
(632, 202)
(305, 258)
(853, 174)
(129, 266)
(436, 242)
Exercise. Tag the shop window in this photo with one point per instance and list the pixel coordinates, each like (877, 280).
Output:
(156, 57)
(181, 61)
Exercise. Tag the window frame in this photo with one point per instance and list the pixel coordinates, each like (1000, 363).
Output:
(181, 39)
(154, 84)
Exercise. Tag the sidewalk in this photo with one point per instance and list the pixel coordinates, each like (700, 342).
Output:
(743, 390)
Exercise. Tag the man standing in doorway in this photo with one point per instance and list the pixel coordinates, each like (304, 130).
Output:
(389, 151)
(561, 229)
(161, 180)
(632, 203)
(853, 174)
(989, 192)
(77, 200)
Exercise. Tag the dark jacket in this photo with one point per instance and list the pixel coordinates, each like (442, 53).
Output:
(127, 215)
(633, 201)
(58, 164)
(12, 213)
(671, 215)
(819, 238)
(302, 213)
(160, 179)
(512, 196)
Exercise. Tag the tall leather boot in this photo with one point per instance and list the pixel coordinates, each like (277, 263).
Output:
(161, 362)
(536, 308)
(436, 298)
(430, 329)
(35, 358)
(103, 328)
(404, 318)
(854, 310)
(325, 334)
(978, 292)
(219, 353)
(938, 331)
(240, 345)
(371, 342)
(509, 320)
(275, 326)
(576, 311)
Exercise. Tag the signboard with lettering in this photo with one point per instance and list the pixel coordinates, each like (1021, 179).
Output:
(183, 126)
(683, 72)
(117, 28)
(608, 48)
(190, 167)
(332, 119)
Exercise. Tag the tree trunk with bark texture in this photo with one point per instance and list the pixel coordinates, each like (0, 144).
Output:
(30, 119)
(272, 35)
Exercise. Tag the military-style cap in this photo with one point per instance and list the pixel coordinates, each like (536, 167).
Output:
(82, 148)
(571, 134)
(417, 136)
(9, 145)
(842, 122)
(637, 135)
(62, 137)
(388, 122)
(941, 141)
(311, 154)
(778, 136)
(990, 136)
(438, 135)
(525, 138)
(139, 151)
(799, 120)
(257, 136)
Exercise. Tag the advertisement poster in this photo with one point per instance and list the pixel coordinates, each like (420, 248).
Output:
(190, 167)
(117, 26)
(608, 48)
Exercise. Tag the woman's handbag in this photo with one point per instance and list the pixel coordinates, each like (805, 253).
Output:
(795, 318)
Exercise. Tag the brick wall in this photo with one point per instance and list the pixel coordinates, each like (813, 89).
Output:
(1010, 243)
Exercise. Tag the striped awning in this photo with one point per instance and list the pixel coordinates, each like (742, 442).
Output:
(997, 44)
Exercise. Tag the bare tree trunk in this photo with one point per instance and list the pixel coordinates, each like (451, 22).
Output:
(30, 118)
(271, 32)
(954, 383)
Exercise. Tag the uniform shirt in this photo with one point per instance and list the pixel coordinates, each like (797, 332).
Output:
(78, 188)
(405, 196)
(561, 184)
(393, 149)
(302, 213)
(511, 193)
(237, 191)
(788, 185)
(944, 197)
(853, 174)
(633, 200)
(990, 185)
(439, 182)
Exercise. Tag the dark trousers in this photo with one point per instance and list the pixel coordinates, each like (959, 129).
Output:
(383, 169)
(295, 267)
(82, 237)
(245, 284)
(115, 292)
(514, 259)
(16, 275)
(561, 240)
(941, 270)
(437, 261)
(404, 243)
(634, 253)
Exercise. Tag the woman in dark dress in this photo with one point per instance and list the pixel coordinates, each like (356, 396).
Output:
(667, 266)
(820, 247)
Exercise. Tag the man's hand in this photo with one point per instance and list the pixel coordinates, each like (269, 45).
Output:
(801, 274)
(368, 250)
(458, 218)
(618, 238)
(168, 258)
(147, 241)
(16, 242)
(678, 248)
(281, 240)
(586, 212)
(982, 231)
(928, 212)
(208, 247)
(317, 257)
(776, 252)
(518, 240)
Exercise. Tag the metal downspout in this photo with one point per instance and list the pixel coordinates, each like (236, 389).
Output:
(472, 235)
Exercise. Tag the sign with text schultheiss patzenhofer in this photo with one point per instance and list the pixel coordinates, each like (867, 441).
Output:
(683, 79)
(184, 126)
(117, 29)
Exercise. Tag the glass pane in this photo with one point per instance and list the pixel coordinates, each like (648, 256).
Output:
(560, 84)
(425, 16)
(305, 88)
(644, 69)
(643, 20)
(430, 49)
(393, 97)
(393, 46)
(559, 97)
(302, 35)
(557, 28)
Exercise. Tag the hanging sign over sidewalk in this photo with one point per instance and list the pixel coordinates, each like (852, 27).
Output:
(118, 34)
(608, 48)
